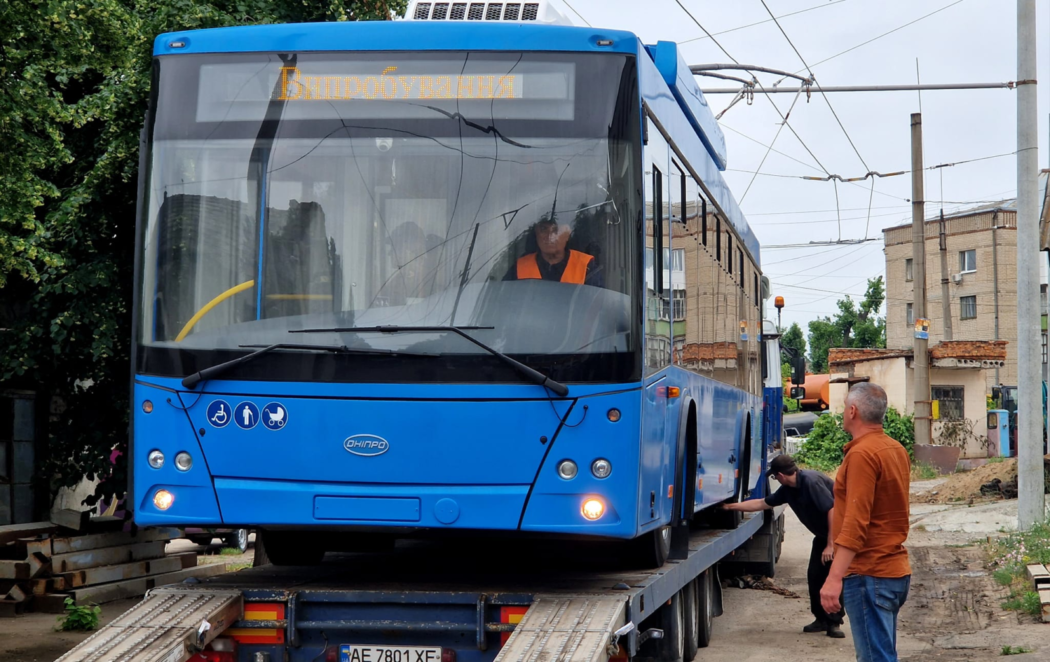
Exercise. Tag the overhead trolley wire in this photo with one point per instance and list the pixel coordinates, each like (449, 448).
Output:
(751, 25)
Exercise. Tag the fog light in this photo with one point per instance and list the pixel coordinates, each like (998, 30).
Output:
(567, 469)
(147, 406)
(155, 459)
(183, 461)
(163, 499)
(601, 468)
(613, 415)
(592, 509)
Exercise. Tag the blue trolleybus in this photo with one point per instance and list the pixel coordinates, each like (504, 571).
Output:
(396, 278)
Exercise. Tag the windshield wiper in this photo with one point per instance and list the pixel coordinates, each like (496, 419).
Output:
(533, 375)
(191, 381)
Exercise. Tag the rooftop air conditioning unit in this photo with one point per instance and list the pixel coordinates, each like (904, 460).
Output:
(542, 12)
(957, 278)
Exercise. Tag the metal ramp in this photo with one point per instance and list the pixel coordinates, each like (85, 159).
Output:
(169, 625)
(560, 628)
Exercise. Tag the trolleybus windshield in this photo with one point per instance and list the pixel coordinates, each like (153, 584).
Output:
(340, 190)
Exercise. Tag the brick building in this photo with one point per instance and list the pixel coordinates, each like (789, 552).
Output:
(981, 246)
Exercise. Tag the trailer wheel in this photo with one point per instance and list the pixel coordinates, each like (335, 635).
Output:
(672, 622)
(237, 540)
(690, 621)
(705, 607)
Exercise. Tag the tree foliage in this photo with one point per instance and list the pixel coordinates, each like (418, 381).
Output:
(855, 325)
(823, 447)
(792, 339)
(75, 78)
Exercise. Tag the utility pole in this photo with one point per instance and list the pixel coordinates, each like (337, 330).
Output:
(921, 358)
(946, 304)
(1030, 501)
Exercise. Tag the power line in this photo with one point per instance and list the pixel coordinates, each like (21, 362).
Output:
(577, 13)
(809, 70)
(821, 211)
(885, 34)
(751, 25)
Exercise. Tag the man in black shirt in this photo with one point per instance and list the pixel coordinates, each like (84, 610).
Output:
(811, 495)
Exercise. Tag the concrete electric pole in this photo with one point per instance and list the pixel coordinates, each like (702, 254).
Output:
(946, 303)
(1030, 501)
(921, 358)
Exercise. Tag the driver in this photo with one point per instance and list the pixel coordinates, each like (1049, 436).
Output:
(554, 261)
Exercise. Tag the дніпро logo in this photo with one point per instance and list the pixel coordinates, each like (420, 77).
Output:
(366, 445)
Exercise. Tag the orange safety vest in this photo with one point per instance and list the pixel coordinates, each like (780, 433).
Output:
(575, 271)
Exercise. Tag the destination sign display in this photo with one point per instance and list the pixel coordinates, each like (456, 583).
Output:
(391, 85)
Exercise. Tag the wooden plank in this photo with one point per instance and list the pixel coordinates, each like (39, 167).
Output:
(76, 520)
(16, 594)
(188, 559)
(106, 523)
(12, 532)
(116, 573)
(14, 570)
(38, 564)
(70, 544)
(1044, 598)
(1036, 570)
(93, 558)
(135, 587)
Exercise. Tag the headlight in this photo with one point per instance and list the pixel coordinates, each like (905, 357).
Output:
(601, 468)
(567, 469)
(183, 461)
(155, 459)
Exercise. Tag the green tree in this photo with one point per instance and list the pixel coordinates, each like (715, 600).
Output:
(854, 326)
(75, 83)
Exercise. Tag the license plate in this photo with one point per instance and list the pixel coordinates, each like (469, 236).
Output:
(370, 653)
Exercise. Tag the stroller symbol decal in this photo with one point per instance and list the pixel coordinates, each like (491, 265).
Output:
(275, 416)
(219, 413)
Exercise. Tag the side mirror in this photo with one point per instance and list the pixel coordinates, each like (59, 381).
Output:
(798, 367)
(798, 392)
(997, 393)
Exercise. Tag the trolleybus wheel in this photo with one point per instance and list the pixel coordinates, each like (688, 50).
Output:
(705, 607)
(690, 621)
(672, 622)
(293, 548)
(651, 549)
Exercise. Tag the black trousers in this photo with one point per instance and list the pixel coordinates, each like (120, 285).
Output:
(817, 574)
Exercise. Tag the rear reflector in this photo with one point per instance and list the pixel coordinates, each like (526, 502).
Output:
(260, 611)
(509, 615)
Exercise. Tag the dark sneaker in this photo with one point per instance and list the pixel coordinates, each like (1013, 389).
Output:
(816, 626)
(835, 632)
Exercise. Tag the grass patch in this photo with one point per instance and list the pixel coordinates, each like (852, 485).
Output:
(79, 619)
(923, 471)
(235, 567)
(1014, 650)
(996, 460)
(1024, 601)
(1008, 557)
(230, 551)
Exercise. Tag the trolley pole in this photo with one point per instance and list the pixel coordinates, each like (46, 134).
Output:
(921, 359)
(1030, 500)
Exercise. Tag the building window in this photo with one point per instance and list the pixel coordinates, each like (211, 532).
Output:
(729, 253)
(678, 304)
(911, 315)
(908, 265)
(951, 399)
(968, 261)
(677, 260)
(967, 308)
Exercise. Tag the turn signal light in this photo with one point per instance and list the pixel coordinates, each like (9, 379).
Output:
(613, 415)
(163, 499)
(147, 407)
(592, 509)
(673, 391)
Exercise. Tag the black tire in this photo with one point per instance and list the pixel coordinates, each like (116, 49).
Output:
(238, 540)
(705, 608)
(672, 622)
(651, 549)
(689, 619)
(293, 548)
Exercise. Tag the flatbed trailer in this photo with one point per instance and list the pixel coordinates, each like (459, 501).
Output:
(447, 600)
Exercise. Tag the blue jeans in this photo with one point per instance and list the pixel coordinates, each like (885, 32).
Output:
(872, 604)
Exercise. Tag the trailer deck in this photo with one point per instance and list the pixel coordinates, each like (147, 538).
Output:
(559, 601)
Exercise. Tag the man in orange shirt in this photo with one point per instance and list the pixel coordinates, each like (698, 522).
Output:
(870, 572)
(554, 261)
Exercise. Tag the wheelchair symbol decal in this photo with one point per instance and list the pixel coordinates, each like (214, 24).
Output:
(274, 416)
(219, 413)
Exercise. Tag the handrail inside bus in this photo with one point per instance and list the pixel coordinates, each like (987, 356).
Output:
(211, 304)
